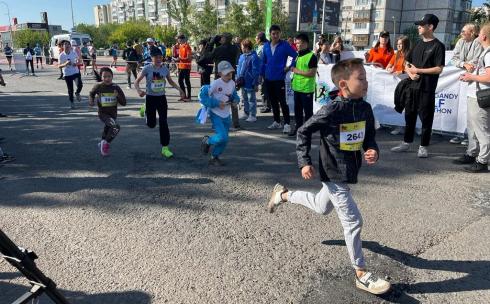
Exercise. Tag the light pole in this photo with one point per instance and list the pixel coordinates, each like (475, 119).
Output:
(72, 18)
(10, 25)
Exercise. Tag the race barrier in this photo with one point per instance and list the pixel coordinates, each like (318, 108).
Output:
(450, 98)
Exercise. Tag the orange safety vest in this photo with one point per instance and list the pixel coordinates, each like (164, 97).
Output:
(184, 52)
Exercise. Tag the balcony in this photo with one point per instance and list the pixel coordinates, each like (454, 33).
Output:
(361, 31)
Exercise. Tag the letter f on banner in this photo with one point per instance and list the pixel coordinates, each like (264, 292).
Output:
(268, 17)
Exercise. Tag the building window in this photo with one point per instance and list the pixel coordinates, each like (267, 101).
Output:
(359, 25)
(361, 2)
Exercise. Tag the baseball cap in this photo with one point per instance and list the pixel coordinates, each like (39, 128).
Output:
(428, 19)
(150, 40)
(384, 34)
(224, 67)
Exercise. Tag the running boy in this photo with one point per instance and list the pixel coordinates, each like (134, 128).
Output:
(155, 75)
(107, 95)
(346, 126)
(218, 98)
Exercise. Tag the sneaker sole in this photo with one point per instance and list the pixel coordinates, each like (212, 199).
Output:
(271, 206)
(376, 292)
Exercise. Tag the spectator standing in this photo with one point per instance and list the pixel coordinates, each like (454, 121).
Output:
(465, 57)
(247, 79)
(424, 65)
(382, 51)
(131, 57)
(324, 55)
(478, 152)
(260, 40)
(8, 51)
(38, 52)
(184, 65)
(205, 62)
(274, 70)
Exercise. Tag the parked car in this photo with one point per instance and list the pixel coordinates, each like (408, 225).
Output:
(53, 46)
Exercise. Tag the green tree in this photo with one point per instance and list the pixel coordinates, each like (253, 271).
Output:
(129, 31)
(180, 10)
(165, 33)
(281, 18)
(204, 22)
(100, 35)
(413, 34)
(478, 16)
(235, 20)
(23, 37)
(255, 17)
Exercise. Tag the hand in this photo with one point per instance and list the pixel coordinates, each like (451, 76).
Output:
(397, 73)
(141, 93)
(413, 76)
(294, 69)
(390, 69)
(287, 69)
(466, 77)
(307, 172)
(222, 105)
(469, 67)
(116, 93)
(412, 70)
(371, 156)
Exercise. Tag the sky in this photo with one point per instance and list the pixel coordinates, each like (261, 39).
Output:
(59, 11)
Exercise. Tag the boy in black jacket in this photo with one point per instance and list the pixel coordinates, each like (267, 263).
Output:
(346, 126)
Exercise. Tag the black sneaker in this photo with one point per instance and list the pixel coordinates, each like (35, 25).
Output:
(3, 115)
(265, 110)
(215, 161)
(205, 145)
(477, 167)
(464, 160)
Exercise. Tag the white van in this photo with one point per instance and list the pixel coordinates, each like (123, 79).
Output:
(53, 46)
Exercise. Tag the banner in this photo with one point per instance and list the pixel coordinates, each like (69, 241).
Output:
(450, 98)
(268, 17)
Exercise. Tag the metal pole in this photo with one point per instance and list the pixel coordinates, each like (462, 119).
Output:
(72, 18)
(10, 24)
(323, 17)
(394, 28)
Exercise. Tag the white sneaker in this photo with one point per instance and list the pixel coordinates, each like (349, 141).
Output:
(398, 131)
(372, 284)
(274, 125)
(465, 142)
(423, 152)
(251, 119)
(276, 198)
(244, 116)
(286, 129)
(403, 147)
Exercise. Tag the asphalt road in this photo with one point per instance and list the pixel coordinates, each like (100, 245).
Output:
(136, 228)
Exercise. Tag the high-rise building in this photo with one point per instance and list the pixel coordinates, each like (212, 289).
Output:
(361, 21)
(102, 14)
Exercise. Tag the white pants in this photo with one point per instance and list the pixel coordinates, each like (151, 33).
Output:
(338, 196)
(478, 131)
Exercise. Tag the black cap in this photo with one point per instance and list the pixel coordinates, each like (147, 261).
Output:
(384, 34)
(182, 36)
(428, 19)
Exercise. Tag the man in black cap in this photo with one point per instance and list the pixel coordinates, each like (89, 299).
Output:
(424, 64)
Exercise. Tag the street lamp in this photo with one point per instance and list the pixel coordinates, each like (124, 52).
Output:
(394, 27)
(10, 25)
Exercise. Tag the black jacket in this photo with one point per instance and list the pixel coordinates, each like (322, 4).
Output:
(228, 52)
(335, 164)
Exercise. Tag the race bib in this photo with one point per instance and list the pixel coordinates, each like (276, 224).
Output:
(352, 135)
(28, 56)
(108, 100)
(158, 85)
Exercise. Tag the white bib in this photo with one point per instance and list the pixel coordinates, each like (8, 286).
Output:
(352, 136)
(158, 85)
(108, 99)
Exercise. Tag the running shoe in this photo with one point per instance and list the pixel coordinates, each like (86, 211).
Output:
(166, 152)
(274, 125)
(251, 118)
(205, 146)
(286, 129)
(104, 147)
(465, 142)
(464, 160)
(276, 198)
(403, 147)
(455, 140)
(78, 97)
(423, 152)
(398, 131)
(477, 167)
(215, 161)
(372, 284)
(143, 110)
(5, 158)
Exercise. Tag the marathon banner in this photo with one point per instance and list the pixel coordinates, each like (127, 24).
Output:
(450, 98)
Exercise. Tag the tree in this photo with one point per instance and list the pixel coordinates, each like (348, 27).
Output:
(166, 34)
(235, 20)
(23, 37)
(180, 10)
(129, 31)
(204, 22)
(100, 35)
(281, 18)
(412, 33)
(478, 16)
(254, 10)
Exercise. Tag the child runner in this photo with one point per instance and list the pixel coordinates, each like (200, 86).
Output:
(131, 57)
(155, 75)
(346, 126)
(218, 98)
(248, 72)
(107, 95)
(69, 61)
(8, 53)
(38, 51)
(113, 53)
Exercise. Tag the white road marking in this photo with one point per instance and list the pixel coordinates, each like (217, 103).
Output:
(267, 136)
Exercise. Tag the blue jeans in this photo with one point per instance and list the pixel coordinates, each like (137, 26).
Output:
(221, 127)
(249, 102)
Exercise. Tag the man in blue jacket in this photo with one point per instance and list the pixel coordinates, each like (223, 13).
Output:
(276, 53)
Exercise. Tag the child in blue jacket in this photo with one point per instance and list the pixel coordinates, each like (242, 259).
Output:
(248, 72)
(217, 97)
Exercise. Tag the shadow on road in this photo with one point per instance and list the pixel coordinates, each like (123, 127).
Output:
(476, 277)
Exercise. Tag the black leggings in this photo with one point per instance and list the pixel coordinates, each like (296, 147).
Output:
(302, 102)
(69, 83)
(158, 104)
(185, 75)
(30, 62)
(277, 95)
(111, 127)
(131, 68)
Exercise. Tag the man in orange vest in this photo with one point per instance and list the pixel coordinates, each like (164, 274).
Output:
(185, 62)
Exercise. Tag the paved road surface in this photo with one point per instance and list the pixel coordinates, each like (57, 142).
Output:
(136, 228)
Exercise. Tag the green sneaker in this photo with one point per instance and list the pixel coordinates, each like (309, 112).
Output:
(166, 152)
(143, 110)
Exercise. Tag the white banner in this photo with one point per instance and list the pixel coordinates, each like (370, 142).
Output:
(450, 99)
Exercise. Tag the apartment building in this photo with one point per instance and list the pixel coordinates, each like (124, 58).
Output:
(102, 14)
(361, 21)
